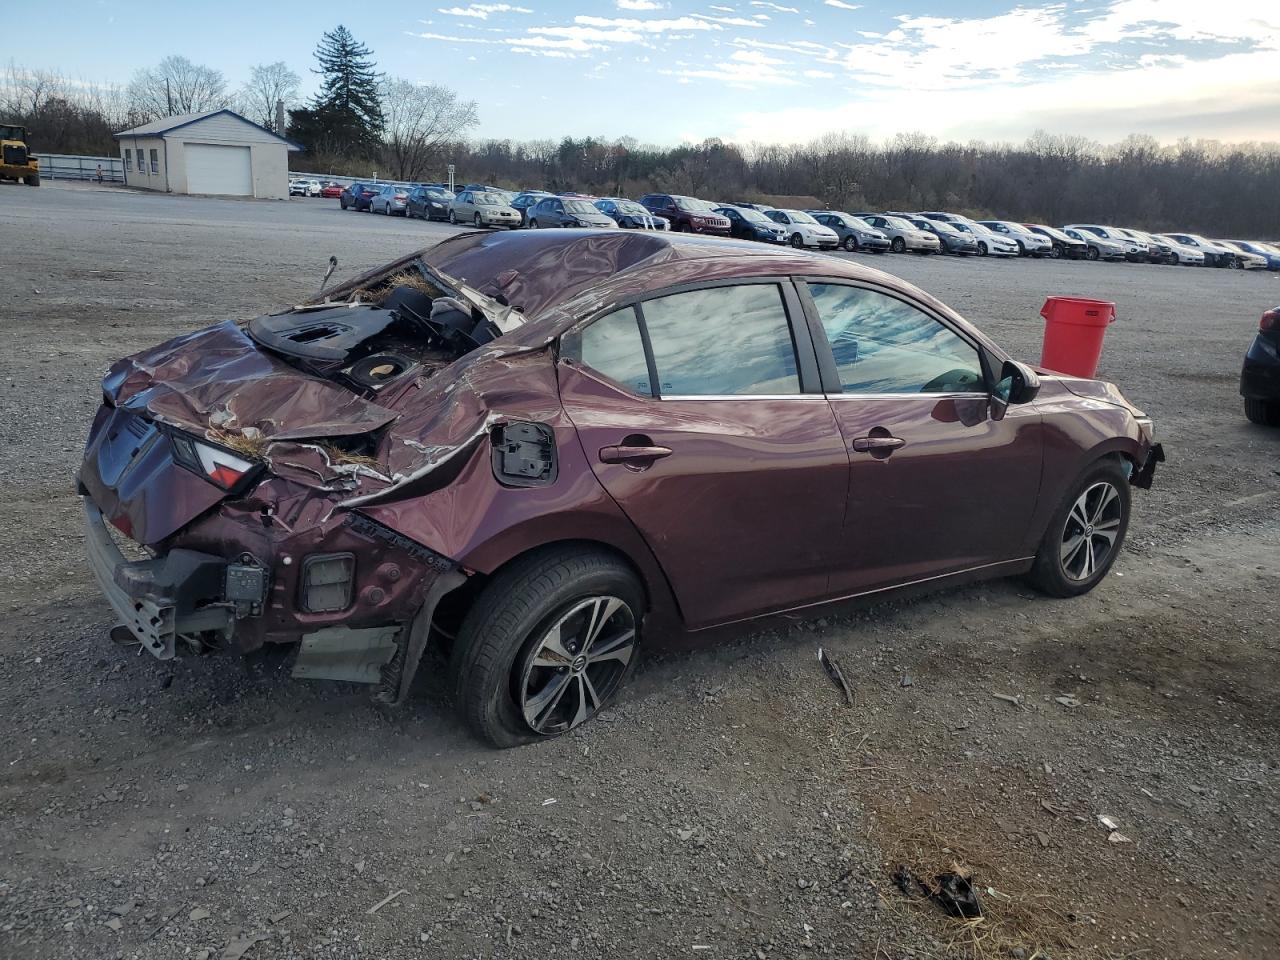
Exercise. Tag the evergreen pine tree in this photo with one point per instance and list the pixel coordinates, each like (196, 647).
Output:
(346, 115)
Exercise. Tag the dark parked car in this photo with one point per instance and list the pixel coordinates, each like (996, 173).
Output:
(950, 239)
(630, 215)
(686, 214)
(523, 201)
(429, 202)
(1260, 378)
(567, 212)
(1063, 245)
(748, 224)
(598, 440)
(359, 196)
(854, 232)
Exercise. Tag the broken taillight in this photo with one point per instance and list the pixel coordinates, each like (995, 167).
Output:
(220, 467)
(1270, 320)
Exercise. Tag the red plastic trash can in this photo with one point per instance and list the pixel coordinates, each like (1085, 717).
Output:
(1073, 332)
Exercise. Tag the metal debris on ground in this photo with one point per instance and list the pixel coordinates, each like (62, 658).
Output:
(830, 665)
(953, 892)
(1008, 699)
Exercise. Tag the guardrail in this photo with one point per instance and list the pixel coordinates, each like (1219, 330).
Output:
(66, 166)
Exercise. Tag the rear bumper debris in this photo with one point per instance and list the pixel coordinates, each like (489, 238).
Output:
(1146, 473)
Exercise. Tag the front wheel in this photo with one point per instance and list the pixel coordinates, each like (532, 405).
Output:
(1086, 533)
(1056, 252)
(33, 180)
(797, 241)
(1022, 250)
(1264, 412)
(850, 243)
(1234, 263)
(546, 645)
(533, 224)
(982, 249)
(899, 245)
(1093, 253)
(476, 221)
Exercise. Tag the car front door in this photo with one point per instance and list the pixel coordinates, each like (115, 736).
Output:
(701, 415)
(937, 483)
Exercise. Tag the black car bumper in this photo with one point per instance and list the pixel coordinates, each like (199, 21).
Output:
(1260, 377)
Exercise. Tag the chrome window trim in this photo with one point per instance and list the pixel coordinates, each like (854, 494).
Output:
(899, 396)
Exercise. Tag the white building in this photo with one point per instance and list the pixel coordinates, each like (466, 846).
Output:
(217, 152)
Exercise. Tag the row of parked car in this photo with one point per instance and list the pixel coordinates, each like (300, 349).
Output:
(923, 232)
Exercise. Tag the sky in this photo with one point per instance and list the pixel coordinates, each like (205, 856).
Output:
(670, 71)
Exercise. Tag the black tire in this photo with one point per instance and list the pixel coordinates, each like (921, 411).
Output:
(1051, 574)
(453, 218)
(533, 224)
(898, 245)
(982, 249)
(33, 180)
(1022, 250)
(850, 243)
(1093, 253)
(475, 221)
(1056, 252)
(1234, 263)
(503, 629)
(342, 203)
(797, 241)
(1263, 412)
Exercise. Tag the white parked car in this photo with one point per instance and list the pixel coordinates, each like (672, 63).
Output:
(1168, 250)
(1244, 259)
(1103, 246)
(1215, 254)
(1029, 244)
(903, 234)
(803, 230)
(990, 243)
(305, 188)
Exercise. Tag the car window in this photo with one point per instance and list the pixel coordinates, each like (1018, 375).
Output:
(612, 346)
(885, 345)
(722, 341)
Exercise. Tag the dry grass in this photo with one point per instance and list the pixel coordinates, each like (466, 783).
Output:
(1015, 913)
(408, 278)
(338, 455)
(253, 447)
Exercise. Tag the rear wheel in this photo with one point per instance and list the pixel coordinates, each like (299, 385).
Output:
(1264, 412)
(898, 245)
(546, 645)
(1086, 533)
(33, 180)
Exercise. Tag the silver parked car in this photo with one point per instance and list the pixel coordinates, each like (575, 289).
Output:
(390, 199)
(483, 208)
(903, 234)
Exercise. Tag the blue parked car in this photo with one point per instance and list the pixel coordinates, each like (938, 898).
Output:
(1264, 250)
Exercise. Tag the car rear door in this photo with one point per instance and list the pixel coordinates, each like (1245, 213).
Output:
(701, 414)
(937, 484)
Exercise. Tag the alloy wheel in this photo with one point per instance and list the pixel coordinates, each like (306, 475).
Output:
(1089, 535)
(577, 665)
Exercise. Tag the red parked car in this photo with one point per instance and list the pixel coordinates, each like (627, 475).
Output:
(545, 449)
(687, 214)
(331, 190)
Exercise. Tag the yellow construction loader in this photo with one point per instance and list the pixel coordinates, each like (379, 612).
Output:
(15, 162)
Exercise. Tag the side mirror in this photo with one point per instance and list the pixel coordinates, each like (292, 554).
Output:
(1018, 384)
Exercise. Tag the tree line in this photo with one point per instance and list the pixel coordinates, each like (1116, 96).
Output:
(362, 122)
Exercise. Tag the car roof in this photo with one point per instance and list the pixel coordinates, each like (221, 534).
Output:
(558, 276)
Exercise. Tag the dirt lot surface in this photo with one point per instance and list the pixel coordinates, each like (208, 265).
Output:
(730, 805)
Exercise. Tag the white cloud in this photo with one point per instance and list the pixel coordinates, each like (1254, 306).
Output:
(771, 6)
(842, 5)
(639, 5)
(481, 11)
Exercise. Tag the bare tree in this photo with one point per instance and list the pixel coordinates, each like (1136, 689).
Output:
(268, 83)
(419, 120)
(176, 85)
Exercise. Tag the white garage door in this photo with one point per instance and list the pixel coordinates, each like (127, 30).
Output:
(214, 168)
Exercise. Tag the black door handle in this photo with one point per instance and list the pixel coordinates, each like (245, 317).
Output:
(628, 454)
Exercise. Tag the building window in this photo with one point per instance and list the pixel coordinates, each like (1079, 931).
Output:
(155, 161)
(128, 161)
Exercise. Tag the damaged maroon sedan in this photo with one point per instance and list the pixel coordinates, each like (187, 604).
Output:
(539, 448)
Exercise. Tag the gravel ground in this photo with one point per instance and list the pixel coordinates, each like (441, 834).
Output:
(730, 805)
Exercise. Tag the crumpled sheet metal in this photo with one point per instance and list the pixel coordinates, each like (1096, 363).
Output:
(216, 377)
